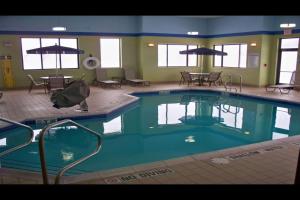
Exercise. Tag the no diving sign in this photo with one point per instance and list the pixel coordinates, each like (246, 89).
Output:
(140, 175)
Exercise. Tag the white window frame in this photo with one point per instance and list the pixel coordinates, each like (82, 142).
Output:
(239, 58)
(187, 56)
(58, 55)
(120, 53)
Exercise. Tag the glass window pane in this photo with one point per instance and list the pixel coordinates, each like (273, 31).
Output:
(192, 61)
(69, 60)
(232, 58)
(289, 43)
(243, 58)
(285, 77)
(31, 61)
(162, 55)
(217, 59)
(110, 53)
(288, 61)
(174, 57)
(49, 59)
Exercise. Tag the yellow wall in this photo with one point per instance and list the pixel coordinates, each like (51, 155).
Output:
(137, 55)
(250, 75)
(90, 44)
(148, 58)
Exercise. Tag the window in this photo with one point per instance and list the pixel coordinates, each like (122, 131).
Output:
(48, 61)
(110, 53)
(287, 59)
(236, 55)
(169, 56)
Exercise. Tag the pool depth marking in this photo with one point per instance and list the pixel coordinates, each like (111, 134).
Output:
(139, 175)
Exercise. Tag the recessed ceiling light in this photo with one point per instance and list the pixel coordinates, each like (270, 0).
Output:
(193, 33)
(59, 28)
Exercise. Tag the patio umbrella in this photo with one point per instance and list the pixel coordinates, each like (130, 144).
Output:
(203, 51)
(55, 49)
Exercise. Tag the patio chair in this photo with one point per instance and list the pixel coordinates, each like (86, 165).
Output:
(131, 77)
(187, 78)
(56, 82)
(214, 77)
(101, 78)
(35, 84)
(284, 88)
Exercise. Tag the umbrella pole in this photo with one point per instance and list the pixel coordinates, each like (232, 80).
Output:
(201, 64)
(56, 63)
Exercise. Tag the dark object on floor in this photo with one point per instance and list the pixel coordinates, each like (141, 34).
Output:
(75, 93)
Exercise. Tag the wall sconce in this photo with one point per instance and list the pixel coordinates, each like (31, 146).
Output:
(150, 44)
(253, 44)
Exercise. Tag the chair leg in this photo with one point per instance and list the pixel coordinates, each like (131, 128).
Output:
(30, 87)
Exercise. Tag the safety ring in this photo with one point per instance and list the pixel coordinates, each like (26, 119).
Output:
(91, 63)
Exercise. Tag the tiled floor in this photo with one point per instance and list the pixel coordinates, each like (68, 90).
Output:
(276, 167)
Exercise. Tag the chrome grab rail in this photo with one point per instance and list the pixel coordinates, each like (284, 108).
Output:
(21, 145)
(71, 165)
(230, 83)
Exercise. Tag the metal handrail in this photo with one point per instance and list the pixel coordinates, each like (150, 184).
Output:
(230, 81)
(71, 165)
(21, 145)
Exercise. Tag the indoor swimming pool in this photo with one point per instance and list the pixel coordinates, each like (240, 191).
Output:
(160, 126)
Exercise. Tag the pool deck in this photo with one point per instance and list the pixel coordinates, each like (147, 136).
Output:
(271, 162)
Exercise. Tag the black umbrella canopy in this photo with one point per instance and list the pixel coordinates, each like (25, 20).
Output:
(55, 49)
(204, 51)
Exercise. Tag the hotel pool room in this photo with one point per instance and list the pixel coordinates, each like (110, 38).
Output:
(150, 100)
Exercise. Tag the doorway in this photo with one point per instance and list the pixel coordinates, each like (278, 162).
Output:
(287, 59)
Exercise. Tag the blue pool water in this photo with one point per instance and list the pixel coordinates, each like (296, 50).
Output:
(158, 127)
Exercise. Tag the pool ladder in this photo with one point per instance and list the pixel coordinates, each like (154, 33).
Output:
(21, 145)
(228, 83)
(42, 134)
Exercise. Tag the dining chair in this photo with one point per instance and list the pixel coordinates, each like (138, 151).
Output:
(35, 84)
(56, 82)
